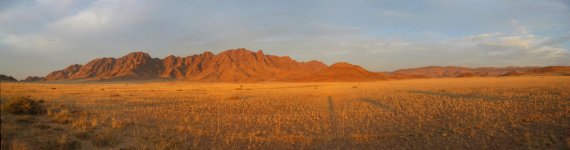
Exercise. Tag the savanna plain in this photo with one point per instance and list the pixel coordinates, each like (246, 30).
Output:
(523, 112)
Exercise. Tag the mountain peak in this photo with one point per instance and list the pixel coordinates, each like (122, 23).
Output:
(208, 53)
(137, 55)
(342, 65)
(343, 71)
(236, 51)
(259, 52)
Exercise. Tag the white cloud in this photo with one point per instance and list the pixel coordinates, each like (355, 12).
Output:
(480, 37)
(96, 23)
(519, 43)
(28, 42)
(98, 16)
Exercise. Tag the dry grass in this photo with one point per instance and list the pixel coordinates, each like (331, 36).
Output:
(467, 113)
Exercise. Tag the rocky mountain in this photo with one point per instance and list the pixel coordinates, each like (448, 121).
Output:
(7, 78)
(452, 71)
(237, 65)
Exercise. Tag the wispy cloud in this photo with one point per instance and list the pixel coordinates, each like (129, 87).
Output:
(518, 48)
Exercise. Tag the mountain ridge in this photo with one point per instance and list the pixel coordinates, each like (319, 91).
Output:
(234, 65)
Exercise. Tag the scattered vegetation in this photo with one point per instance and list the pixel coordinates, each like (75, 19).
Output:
(66, 143)
(24, 105)
(241, 88)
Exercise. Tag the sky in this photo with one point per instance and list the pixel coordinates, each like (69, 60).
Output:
(40, 36)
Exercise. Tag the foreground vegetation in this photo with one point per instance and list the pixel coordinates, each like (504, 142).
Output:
(460, 113)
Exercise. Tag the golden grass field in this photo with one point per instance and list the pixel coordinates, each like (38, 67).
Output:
(530, 112)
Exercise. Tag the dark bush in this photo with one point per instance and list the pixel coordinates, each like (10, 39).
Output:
(24, 105)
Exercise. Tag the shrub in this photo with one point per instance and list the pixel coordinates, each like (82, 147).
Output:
(64, 116)
(105, 138)
(18, 145)
(62, 113)
(66, 143)
(24, 105)
(117, 124)
(84, 123)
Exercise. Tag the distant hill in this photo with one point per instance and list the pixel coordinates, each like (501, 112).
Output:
(453, 71)
(7, 78)
(237, 65)
(343, 71)
(550, 70)
(33, 79)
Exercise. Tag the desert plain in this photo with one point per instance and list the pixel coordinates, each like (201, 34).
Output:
(519, 112)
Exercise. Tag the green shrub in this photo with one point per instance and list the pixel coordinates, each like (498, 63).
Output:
(23, 105)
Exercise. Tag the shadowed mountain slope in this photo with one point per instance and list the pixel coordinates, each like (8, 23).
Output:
(7, 78)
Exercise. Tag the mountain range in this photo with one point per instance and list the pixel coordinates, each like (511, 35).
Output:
(242, 65)
(236, 65)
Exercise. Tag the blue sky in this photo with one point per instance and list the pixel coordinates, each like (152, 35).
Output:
(40, 36)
